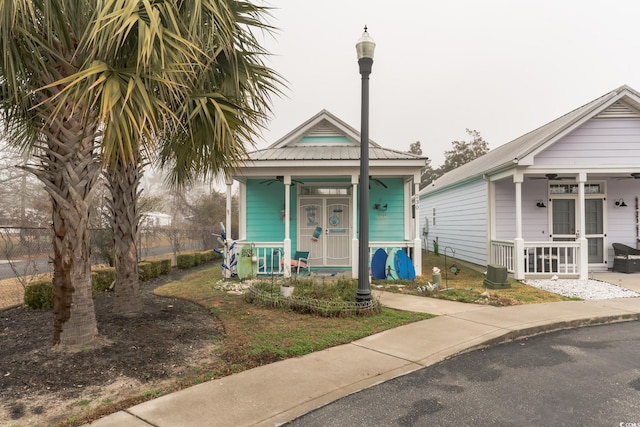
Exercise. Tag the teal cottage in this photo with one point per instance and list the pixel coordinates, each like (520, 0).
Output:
(301, 195)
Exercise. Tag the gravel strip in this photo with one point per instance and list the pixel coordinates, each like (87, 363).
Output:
(583, 289)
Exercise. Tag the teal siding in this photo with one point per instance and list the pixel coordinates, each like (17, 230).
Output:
(387, 225)
(341, 139)
(264, 203)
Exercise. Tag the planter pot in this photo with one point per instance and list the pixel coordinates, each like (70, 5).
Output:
(286, 291)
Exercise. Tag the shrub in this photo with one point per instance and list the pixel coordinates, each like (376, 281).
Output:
(211, 255)
(102, 279)
(39, 295)
(147, 271)
(164, 266)
(330, 300)
(185, 260)
(198, 258)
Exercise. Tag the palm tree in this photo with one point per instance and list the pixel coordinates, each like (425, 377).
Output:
(40, 47)
(86, 84)
(217, 108)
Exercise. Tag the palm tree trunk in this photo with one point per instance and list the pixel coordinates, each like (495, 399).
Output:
(69, 170)
(124, 180)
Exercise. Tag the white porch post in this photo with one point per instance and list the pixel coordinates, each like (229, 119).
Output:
(583, 267)
(355, 245)
(287, 226)
(227, 226)
(242, 220)
(518, 241)
(417, 241)
(227, 219)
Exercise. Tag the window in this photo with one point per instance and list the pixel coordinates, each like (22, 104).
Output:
(325, 191)
(573, 188)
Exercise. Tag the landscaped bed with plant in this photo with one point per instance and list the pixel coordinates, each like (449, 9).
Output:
(192, 329)
(466, 284)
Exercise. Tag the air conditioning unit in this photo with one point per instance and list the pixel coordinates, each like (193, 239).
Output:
(496, 277)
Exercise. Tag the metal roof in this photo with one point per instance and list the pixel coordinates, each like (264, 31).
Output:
(328, 152)
(325, 137)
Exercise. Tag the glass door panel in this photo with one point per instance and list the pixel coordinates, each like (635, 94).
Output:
(311, 229)
(564, 219)
(338, 231)
(594, 233)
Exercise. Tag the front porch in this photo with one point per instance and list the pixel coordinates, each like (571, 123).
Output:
(301, 194)
(273, 262)
(539, 259)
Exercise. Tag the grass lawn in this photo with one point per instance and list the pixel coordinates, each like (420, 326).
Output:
(257, 335)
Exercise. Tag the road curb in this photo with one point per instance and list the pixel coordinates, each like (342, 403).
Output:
(524, 333)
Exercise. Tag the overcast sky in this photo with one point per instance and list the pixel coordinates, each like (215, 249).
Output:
(502, 67)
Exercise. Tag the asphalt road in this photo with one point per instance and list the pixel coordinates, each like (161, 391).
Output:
(24, 268)
(582, 377)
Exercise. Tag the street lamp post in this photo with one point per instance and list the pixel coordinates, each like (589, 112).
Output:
(364, 47)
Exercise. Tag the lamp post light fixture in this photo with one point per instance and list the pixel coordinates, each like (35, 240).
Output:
(364, 47)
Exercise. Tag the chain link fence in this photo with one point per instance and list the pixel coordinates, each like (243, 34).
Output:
(26, 252)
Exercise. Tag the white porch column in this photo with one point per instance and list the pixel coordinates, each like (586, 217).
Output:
(355, 245)
(227, 226)
(287, 226)
(227, 219)
(518, 249)
(417, 241)
(583, 267)
(242, 215)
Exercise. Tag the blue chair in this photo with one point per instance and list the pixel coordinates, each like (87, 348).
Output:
(300, 260)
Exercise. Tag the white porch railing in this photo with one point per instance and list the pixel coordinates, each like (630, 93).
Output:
(269, 254)
(540, 258)
(502, 254)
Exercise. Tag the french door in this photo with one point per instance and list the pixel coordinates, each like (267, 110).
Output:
(324, 229)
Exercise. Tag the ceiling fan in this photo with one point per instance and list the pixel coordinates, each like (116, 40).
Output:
(377, 182)
(280, 179)
(634, 175)
(553, 177)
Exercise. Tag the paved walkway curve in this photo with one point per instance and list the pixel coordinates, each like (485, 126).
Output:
(276, 393)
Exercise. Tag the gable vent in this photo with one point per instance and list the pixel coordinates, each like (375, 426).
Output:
(619, 110)
(324, 128)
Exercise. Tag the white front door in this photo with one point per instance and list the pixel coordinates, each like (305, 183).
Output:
(324, 229)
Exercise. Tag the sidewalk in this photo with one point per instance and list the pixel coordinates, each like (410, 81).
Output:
(276, 393)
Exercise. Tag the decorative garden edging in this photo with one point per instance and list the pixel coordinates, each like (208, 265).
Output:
(311, 305)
